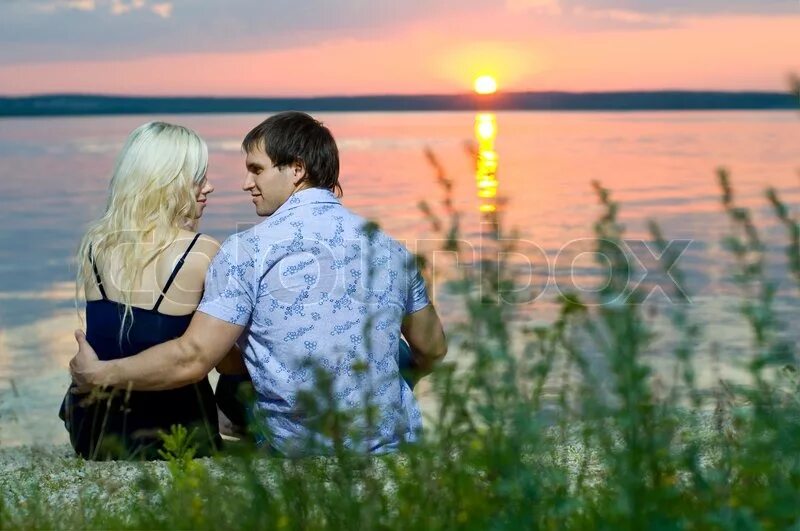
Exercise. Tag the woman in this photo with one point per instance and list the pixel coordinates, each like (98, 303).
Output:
(141, 267)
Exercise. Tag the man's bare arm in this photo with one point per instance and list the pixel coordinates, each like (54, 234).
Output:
(424, 333)
(187, 359)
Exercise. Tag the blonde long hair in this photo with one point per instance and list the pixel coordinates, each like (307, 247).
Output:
(152, 195)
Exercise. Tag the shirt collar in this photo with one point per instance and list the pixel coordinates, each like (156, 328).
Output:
(308, 196)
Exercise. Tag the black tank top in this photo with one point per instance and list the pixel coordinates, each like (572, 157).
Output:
(126, 425)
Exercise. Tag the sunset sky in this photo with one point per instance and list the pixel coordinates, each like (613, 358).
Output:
(349, 47)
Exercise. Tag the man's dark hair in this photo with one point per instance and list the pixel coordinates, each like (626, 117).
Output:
(293, 136)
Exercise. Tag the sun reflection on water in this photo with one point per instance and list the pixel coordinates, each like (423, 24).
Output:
(486, 165)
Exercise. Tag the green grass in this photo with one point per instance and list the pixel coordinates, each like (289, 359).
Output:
(525, 433)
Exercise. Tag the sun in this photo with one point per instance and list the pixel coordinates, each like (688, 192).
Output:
(485, 85)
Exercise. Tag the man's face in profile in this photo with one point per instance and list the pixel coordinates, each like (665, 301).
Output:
(269, 186)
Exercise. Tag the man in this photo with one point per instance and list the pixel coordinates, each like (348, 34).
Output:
(319, 298)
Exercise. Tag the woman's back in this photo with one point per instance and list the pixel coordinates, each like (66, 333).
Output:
(127, 424)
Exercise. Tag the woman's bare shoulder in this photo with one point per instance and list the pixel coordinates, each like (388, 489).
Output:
(204, 246)
(202, 253)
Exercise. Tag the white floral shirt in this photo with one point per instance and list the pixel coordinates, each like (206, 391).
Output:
(321, 295)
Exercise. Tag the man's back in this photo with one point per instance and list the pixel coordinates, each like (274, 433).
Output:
(323, 295)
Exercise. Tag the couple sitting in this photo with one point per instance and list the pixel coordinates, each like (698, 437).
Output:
(310, 303)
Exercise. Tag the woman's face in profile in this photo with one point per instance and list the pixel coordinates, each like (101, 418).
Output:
(201, 194)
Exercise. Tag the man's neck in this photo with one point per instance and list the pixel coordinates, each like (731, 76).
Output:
(302, 186)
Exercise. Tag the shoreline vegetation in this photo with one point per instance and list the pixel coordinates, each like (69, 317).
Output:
(672, 100)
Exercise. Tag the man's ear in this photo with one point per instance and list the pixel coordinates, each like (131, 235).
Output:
(299, 168)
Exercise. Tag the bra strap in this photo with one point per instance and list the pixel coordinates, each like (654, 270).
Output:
(96, 273)
(178, 267)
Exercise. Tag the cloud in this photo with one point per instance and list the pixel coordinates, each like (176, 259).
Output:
(115, 7)
(81, 5)
(163, 10)
(647, 13)
(550, 7)
(121, 7)
(696, 7)
(631, 18)
(662, 7)
(68, 30)
(51, 7)
(38, 31)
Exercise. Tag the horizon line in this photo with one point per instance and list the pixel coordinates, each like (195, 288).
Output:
(664, 100)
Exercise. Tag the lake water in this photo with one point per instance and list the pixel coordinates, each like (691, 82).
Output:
(54, 174)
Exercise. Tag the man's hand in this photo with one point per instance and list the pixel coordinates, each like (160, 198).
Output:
(84, 366)
(169, 365)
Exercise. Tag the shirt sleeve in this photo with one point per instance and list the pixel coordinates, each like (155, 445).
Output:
(229, 288)
(417, 297)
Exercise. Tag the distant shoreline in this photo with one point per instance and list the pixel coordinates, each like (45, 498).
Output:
(673, 100)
